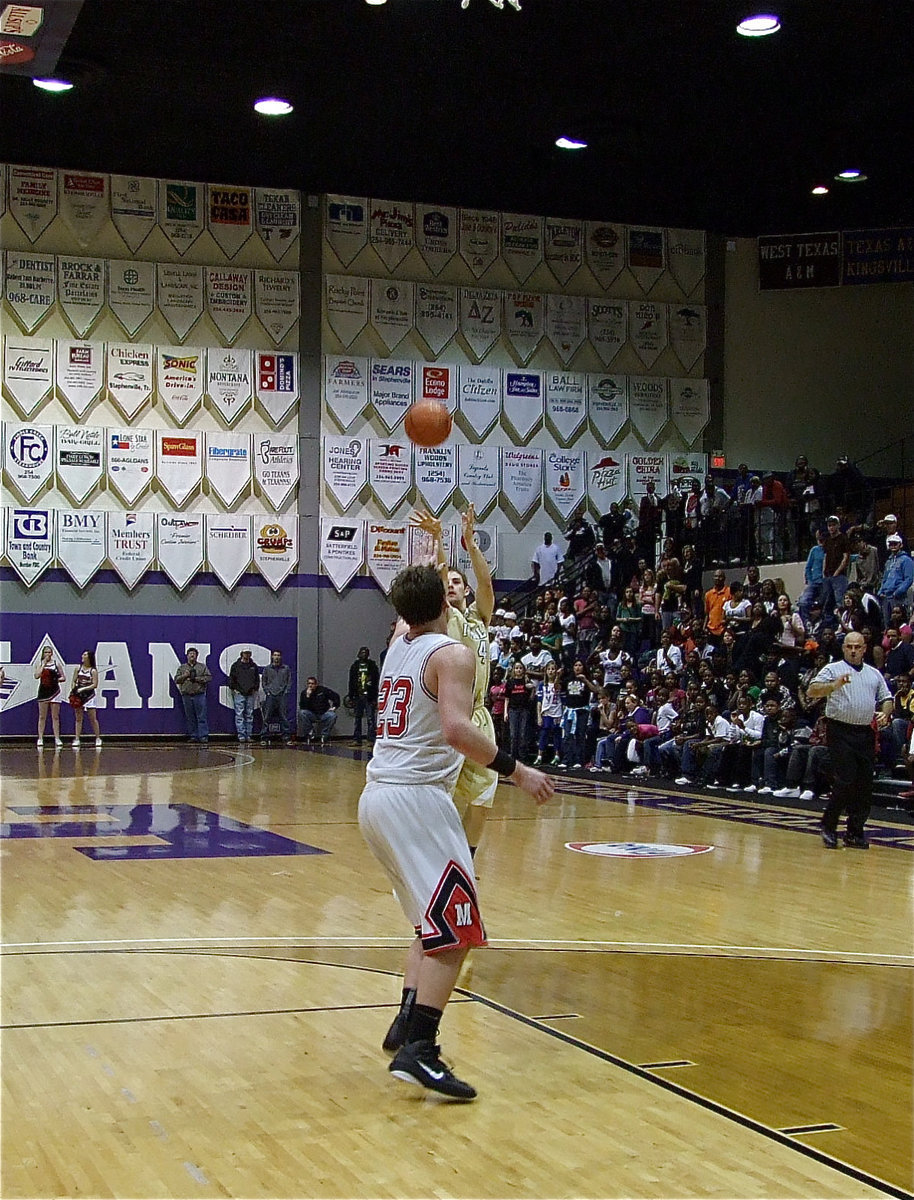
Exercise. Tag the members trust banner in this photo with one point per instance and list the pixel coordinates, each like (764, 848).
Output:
(345, 387)
(131, 545)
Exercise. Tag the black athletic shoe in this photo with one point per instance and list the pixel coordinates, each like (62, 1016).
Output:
(419, 1062)
(829, 838)
(855, 841)
(396, 1035)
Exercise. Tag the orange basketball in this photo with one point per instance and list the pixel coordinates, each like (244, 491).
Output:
(428, 423)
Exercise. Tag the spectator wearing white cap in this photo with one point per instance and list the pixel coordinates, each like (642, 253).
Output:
(897, 578)
(885, 529)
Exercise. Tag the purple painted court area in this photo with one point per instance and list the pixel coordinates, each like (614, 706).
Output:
(183, 832)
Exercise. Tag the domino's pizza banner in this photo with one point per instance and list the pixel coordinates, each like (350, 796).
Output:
(137, 657)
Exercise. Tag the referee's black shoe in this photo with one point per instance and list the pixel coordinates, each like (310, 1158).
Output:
(829, 838)
(420, 1062)
(856, 841)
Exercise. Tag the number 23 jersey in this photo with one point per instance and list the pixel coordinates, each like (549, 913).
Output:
(410, 747)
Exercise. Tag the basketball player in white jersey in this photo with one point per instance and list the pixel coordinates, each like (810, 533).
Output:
(408, 818)
(469, 624)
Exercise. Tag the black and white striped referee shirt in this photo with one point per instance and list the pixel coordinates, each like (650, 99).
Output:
(855, 703)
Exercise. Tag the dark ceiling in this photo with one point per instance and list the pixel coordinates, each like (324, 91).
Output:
(687, 123)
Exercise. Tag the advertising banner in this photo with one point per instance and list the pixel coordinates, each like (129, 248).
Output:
(131, 292)
(688, 332)
(80, 374)
(133, 208)
(181, 212)
(391, 310)
(81, 543)
(345, 387)
(690, 407)
(480, 319)
(346, 306)
(436, 235)
(30, 287)
(644, 469)
(685, 254)
(564, 482)
(229, 381)
(799, 260)
(436, 475)
(277, 302)
(479, 476)
(604, 249)
(29, 542)
(83, 203)
(436, 314)
(179, 291)
(131, 545)
(648, 329)
(437, 381)
(523, 402)
(228, 465)
(607, 327)
(346, 226)
(486, 539)
(276, 383)
(229, 299)
(648, 405)
(342, 550)
(28, 457)
(646, 257)
(391, 389)
(28, 371)
(607, 406)
(878, 256)
(130, 462)
(479, 398)
(79, 456)
(607, 481)
(390, 231)
(229, 547)
(524, 322)
(477, 239)
(179, 462)
(685, 467)
(277, 217)
(180, 546)
(181, 379)
(522, 479)
(390, 471)
(566, 324)
(276, 466)
(564, 247)
(229, 216)
(33, 199)
(387, 552)
(129, 376)
(276, 550)
(566, 404)
(81, 291)
(345, 468)
(521, 244)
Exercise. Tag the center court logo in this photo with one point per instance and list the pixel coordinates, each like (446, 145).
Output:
(637, 849)
(28, 447)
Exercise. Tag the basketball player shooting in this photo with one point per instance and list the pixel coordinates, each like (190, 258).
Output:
(408, 818)
(468, 623)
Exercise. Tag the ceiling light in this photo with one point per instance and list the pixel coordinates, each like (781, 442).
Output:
(820, 190)
(272, 106)
(53, 85)
(759, 25)
(375, 1)
(850, 176)
(564, 143)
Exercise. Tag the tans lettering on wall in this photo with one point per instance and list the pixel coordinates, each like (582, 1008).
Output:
(115, 674)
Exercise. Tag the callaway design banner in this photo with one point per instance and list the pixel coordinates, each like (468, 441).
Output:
(480, 319)
(390, 471)
(82, 543)
(477, 239)
(81, 291)
(179, 462)
(33, 199)
(345, 387)
(179, 288)
(29, 288)
(523, 402)
(28, 457)
(647, 405)
(436, 235)
(390, 231)
(129, 376)
(391, 310)
(28, 371)
(29, 541)
(524, 321)
(276, 383)
(79, 459)
(131, 292)
(130, 462)
(277, 302)
(479, 399)
(564, 482)
(345, 468)
(229, 381)
(133, 208)
(564, 247)
(228, 465)
(346, 226)
(604, 249)
(607, 481)
(80, 374)
(229, 216)
(131, 545)
(346, 306)
(436, 475)
(387, 552)
(277, 216)
(436, 314)
(391, 389)
(276, 466)
(342, 550)
(648, 330)
(180, 546)
(181, 212)
(229, 299)
(276, 548)
(521, 244)
(690, 408)
(479, 476)
(83, 203)
(566, 404)
(607, 406)
(522, 479)
(180, 379)
(229, 547)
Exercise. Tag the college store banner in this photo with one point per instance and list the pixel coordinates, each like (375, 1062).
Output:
(137, 658)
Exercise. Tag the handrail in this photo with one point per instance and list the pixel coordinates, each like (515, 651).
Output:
(901, 441)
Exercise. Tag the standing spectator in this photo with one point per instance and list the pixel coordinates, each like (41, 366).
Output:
(536, 659)
(881, 534)
(362, 693)
(277, 684)
(748, 502)
(495, 702)
(602, 581)
(317, 707)
(772, 518)
(628, 618)
(899, 655)
(713, 506)
(546, 561)
(668, 657)
(864, 569)
(673, 504)
(244, 684)
(811, 503)
(612, 524)
(897, 578)
(580, 536)
(650, 512)
(691, 514)
(50, 674)
(579, 690)
(847, 487)
(549, 707)
(672, 591)
(834, 570)
(813, 577)
(520, 702)
(853, 690)
(84, 696)
(715, 598)
(191, 680)
(648, 599)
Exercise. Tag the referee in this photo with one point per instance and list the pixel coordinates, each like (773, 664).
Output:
(853, 689)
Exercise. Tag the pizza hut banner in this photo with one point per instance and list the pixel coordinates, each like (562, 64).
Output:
(607, 478)
(179, 462)
(342, 550)
(82, 543)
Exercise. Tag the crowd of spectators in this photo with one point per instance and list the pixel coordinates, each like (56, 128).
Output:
(639, 668)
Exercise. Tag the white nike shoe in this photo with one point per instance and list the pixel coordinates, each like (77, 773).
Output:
(765, 791)
(808, 794)
(683, 780)
(786, 793)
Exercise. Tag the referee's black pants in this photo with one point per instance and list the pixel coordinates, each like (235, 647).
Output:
(852, 749)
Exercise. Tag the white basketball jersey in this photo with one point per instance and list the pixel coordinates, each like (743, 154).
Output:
(410, 747)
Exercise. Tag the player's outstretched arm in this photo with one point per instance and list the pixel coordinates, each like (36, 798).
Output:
(431, 525)
(482, 576)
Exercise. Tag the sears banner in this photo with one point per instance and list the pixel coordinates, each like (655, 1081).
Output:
(137, 657)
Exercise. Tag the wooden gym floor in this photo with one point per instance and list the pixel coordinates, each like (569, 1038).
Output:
(200, 959)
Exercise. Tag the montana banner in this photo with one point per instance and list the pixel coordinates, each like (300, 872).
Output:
(386, 552)
(436, 235)
(137, 656)
(277, 302)
(28, 371)
(607, 406)
(33, 199)
(345, 468)
(131, 292)
(479, 399)
(345, 387)
(28, 457)
(180, 296)
(30, 287)
(129, 376)
(229, 547)
(479, 476)
(342, 550)
(80, 374)
(82, 544)
(276, 549)
(181, 379)
(229, 216)
(228, 465)
(131, 545)
(229, 381)
(180, 546)
(133, 208)
(566, 404)
(29, 542)
(391, 389)
(179, 462)
(390, 231)
(390, 471)
(130, 462)
(181, 212)
(477, 239)
(436, 314)
(277, 218)
(276, 466)
(607, 481)
(229, 299)
(346, 306)
(346, 226)
(79, 458)
(276, 383)
(522, 479)
(523, 402)
(81, 291)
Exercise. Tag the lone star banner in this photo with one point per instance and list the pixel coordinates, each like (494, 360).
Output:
(180, 296)
(607, 406)
(229, 216)
(648, 330)
(342, 550)
(28, 371)
(604, 248)
(129, 376)
(82, 544)
(521, 244)
(79, 458)
(28, 457)
(81, 291)
(277, 216)
(479, 398)
(345, 387)
(276, 548)
(181, 212)
(346, 226)
(478, 239)
(228, 465)
(346, 306)
(133, 208)
(83, 203)
(391, 389)
(130, 462)
(29, 541)
(524, 317)
(479, 476)
(131, 292)
(229, 547)
(564, 249)
(80, 371)
(345, 468)
(523, 402)
(648, 405)
(436, 235)
(30, 287)
(390, 231)
(229, 299)
(566, 404)
(180, 546)
(181, 379)
(436, 314)
(33, 199)
(229, 381)
(131, 545)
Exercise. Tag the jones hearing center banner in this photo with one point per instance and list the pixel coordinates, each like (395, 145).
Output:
(345, 468)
